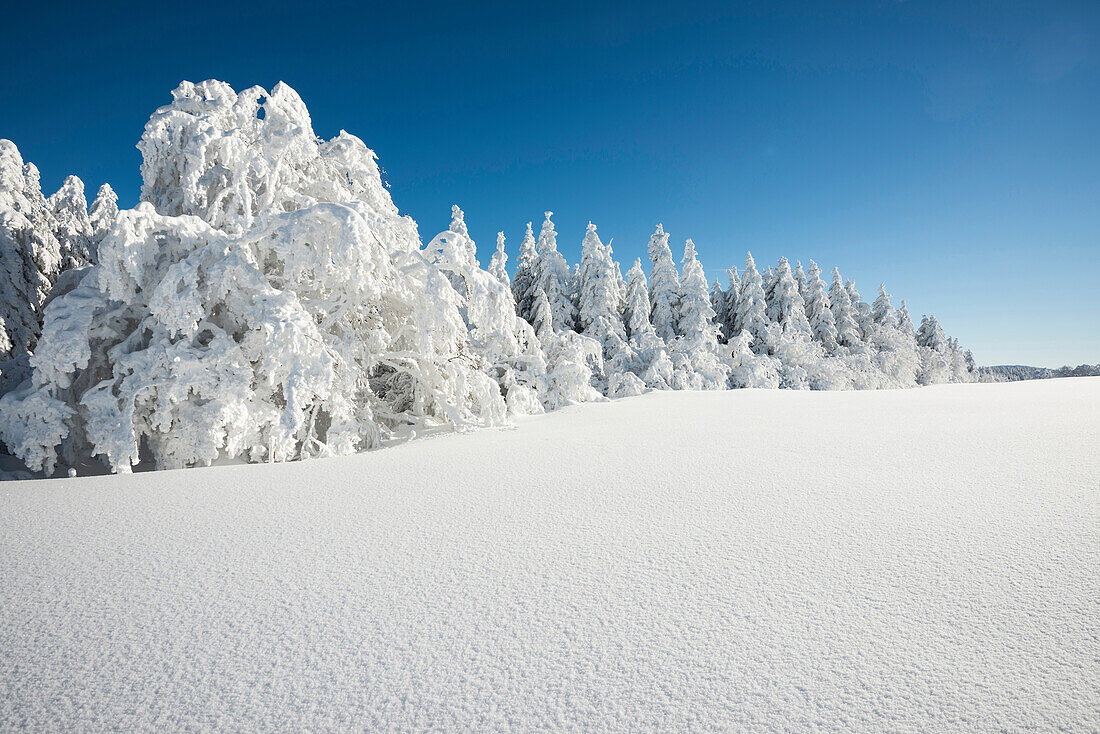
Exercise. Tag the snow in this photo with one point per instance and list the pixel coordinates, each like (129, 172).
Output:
(913, 560)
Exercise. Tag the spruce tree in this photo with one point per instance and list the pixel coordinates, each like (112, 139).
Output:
(749, 316)
(555, 277)
(861, 311)
(882, 312)
(819, 311)
(930, 334)
(74, 227)
(786, 307)
(664, 287)
(719, 301)
(732, 292)
(847, 330)
(525, 284)
(800, 279)
(905, 321)
(30, 255)
(600, 307)
(542, 319)
(696, 313)
(498, 265)
(697, 347)
(637, 304)
(935, 359)
(102, 215)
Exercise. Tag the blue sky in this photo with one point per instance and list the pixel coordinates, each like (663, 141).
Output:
(949, 149)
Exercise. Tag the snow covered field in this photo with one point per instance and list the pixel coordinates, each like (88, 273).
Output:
(919, 560)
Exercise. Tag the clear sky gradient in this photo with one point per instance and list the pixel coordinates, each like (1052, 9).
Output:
(949, 149)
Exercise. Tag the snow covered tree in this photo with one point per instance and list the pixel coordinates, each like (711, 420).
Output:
(525, 284)
(74, 227)
(695, 313)
(961, 364)
(696, 357)
(498, 265)
(847, 330)
(882, 312)
(104, 208)
(905, 321)
(819, 310)
(542, 319)
(30, 256)
(725, 315)
(265, 300)
(930, 334)
(799, 276)
(717, 296)
(555, 278)
(569, 359)
(599, 298)
(935, 366)
(749, 316)
(102, 215)
(651, 360)
(497, 337)
(664, 287)
(861, 311)
(636, 309)
(719, 302)
(894, 348)
(785, 305)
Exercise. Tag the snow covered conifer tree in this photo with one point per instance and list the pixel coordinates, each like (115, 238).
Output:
(930, 334)
(600, 307)
(767, 278)
(696, 357)
(30, 256)
(496, 335)
(895, 350)
(102, 215)
(819, 310)
(651, 362)
(636, 309)
(749, 316)
(882, 312)
(555, 278)
(729, 308)
(786, 307)
(847, 330)
(961, 362)
(799, 276)
(696, 313)
(542, 319)
(525, 284)
(664, 287)
(861, 311)
(935, 365)
(905, 321)
(719, 301)
(569, 359)
(74, 227)
(104, 208)
(498, 265)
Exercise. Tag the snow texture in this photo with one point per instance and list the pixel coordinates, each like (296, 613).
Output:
(677, 561)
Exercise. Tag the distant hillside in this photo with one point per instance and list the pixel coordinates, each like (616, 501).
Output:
(1015, 372)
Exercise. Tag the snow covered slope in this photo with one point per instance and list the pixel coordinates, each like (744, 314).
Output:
(920, 560)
